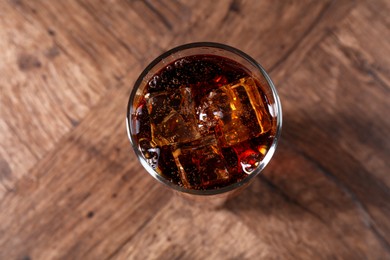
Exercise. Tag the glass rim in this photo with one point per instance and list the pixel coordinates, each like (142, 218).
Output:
(268, 155)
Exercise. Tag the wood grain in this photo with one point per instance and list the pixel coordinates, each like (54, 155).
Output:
(71, 188)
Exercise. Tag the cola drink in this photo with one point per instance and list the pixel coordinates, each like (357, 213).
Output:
(203, 121)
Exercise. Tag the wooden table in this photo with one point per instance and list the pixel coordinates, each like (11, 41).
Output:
(72, 188)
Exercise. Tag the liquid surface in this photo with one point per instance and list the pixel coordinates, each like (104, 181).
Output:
(203, 122)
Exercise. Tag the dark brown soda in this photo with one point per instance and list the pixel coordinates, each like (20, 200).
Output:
(203, 122)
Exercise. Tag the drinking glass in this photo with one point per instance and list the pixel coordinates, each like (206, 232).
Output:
(254, 69)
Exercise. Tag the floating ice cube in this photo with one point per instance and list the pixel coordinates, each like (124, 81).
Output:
(172, 117)
(235, 112)
(201, 164)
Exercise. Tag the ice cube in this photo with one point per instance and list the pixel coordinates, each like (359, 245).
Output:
(235, 112)
(172, 117)
(201, 164)
(247, 87)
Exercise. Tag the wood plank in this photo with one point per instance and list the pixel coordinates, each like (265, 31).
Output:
(267, 31)
(317, 213)
(185, 230)
(62, 70)
(345, 135)
(94, 167)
